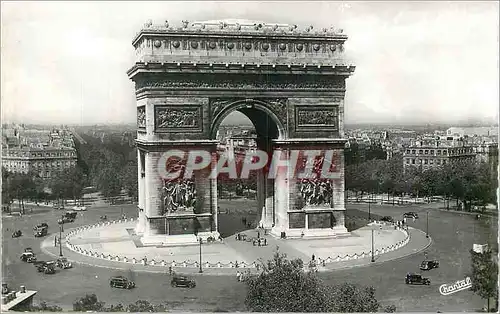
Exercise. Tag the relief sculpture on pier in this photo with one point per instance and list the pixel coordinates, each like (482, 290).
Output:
(315, 192)
(141, 117)
(177, 118)
(178, 196)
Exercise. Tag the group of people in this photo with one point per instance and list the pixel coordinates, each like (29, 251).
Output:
(243, 275)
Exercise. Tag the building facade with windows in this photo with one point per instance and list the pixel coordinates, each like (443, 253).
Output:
(432, 156)
(44, 161)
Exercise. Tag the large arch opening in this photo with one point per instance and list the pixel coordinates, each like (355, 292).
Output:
(241, 128)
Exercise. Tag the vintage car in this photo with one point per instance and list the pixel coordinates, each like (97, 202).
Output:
(70, 214)
(63, 263)
(416, 279)
(40, 231)
(387, 219)
(17, 234)
(47, 267)
(411, 215)
(182, 281)
(66, 220)
(121, 282)
(28, 257)
(429, 264)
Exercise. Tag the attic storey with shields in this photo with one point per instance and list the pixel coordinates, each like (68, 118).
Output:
(289, 81)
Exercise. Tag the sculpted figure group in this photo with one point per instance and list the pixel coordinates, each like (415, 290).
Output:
(179, 195)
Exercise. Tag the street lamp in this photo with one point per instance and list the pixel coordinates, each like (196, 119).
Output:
(201, 270)
(60, 237)
(373, 248)
(369, 208)
(427, 232)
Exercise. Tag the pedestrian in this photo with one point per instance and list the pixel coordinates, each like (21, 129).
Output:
(258, 234)
(55, 241)
(313, 257)
(238, 275)
(265, 242)
(170, 270)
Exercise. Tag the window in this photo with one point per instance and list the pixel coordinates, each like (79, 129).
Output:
(426, 151)
(420, 151)
(413, 161)
(438, 152)
(432, 152)
(431, 161)
(413, 151)
(425, 161)
(407, 151)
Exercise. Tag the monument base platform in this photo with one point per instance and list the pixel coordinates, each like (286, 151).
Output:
(161, 240)
(311, 233)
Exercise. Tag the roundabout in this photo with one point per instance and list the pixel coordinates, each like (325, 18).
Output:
(114, 244)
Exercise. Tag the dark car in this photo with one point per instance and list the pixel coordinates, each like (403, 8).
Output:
(28, 257)
(121, 282)
(411, 215)
(66, 220)
(41, 225)
(70, 214)
(48, 268)
(428, 265)
(17, 234)
(416, 279)
(387, 219)
(40, 231)
(181, 281)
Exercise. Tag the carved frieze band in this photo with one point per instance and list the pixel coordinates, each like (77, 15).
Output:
(243, 83)
(316, 117)
(178, 118)
(141, 117)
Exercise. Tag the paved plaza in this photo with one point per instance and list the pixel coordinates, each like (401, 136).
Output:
(119, 240)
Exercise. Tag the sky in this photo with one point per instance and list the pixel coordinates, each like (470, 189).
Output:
(416, 62)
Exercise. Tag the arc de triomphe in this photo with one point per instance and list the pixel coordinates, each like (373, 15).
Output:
(289, 82)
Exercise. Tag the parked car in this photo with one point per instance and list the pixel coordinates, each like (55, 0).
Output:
(182, 281)
(416, 279)
(40, 265)
(63, 263)
(121, 282)
(411, 215)
(429, 264)
(17, 234)
(28, 257)
(387, 219)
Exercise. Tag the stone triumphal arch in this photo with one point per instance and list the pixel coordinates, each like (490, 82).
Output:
(289, 82)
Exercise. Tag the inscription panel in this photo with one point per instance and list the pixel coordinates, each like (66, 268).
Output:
(186, 118)
(318, 117)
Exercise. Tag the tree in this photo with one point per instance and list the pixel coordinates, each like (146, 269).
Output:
(129, 178)
(145, 306)
(350, 298)
(304, 291)
(44, 307)
(484, 275)
(90, 302)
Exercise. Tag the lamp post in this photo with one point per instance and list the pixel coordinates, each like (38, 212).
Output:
(60, 237)
(427, 232)
(369, 208)
(373, 248)
(201, 270)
